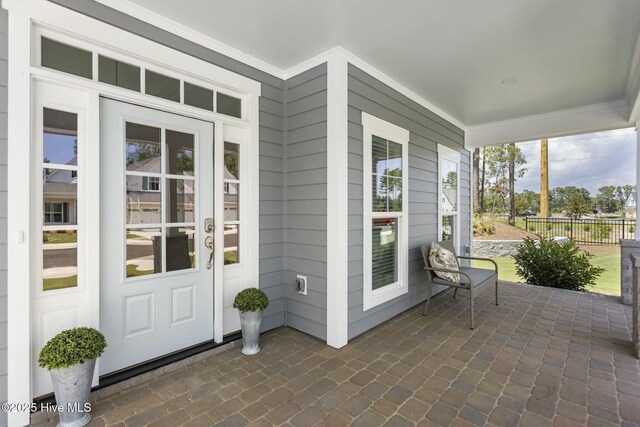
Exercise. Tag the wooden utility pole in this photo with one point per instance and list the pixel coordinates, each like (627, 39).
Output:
(511, 151)
(544, 178)
(476, 181)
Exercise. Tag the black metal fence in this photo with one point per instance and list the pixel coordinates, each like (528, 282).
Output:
(584, 231)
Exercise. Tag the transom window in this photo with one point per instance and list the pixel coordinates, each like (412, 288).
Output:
(385, 239)
(70, 59)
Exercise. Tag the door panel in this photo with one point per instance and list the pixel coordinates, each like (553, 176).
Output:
(156, 290)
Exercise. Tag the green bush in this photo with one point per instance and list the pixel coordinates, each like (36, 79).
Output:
(482, 225)
(251, 299)
(549, 226)
(557, 265)
(567, 227)
(601, 230)
(532, 228)
(72, 347)
(586, 228)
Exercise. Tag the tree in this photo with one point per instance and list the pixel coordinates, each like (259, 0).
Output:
(559, 197)
(504, 165)
(482, 181)
(512, 182)
(576, 206)
(527, 201)
(390, 190)
(606, 199)
(477, 207)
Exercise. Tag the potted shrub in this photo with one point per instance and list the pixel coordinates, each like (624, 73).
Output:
(71, 357)
(250, 302)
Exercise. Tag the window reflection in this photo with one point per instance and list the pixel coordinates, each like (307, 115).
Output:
(59, 259)
(181, 253)
(60, 137)
(386, 170)
(180, 200)
(179, 153)
(231, 157)
(231, 195)
(231, 243)
(144, 251)
(144, 200)
(143, 148)
(60, 197)
(449, 174)
(384, 252)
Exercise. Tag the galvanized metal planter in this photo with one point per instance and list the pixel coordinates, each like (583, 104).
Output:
(250, 323)
(72, 387)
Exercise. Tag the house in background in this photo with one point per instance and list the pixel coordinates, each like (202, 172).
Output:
(201, 170)
(630, 206)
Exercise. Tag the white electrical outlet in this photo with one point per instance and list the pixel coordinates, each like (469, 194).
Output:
(301, 284)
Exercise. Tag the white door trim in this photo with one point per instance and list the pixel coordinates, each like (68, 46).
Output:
(24, 15)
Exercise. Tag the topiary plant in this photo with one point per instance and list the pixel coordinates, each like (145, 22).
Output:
(557, 265)
(72, 347)
(251, 299)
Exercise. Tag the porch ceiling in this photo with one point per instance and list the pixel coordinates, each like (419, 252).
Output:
(565, 54)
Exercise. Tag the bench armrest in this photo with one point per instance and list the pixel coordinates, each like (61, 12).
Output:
(495, 265)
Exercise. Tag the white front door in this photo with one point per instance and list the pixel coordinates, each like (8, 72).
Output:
(157, 200)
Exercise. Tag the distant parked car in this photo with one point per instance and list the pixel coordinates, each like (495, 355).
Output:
(527, 213)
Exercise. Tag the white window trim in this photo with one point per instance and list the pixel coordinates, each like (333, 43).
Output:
(445, 152)
(383, 129)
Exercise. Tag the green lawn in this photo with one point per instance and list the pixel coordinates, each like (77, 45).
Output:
(608, 282)
(60, 283)
(59, 237)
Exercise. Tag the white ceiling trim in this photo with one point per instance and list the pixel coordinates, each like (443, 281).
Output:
(165, 23)
(591, 118)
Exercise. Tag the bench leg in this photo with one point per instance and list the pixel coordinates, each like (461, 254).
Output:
(471, 305)
(455, 291)
(496, 291)
(424, 312)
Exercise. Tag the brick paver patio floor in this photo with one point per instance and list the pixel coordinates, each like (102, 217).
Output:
(543, 357)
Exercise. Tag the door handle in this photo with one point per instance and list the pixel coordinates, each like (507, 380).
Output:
(208, 225)
(208, 243)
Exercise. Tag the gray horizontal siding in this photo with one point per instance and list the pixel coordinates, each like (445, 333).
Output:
(306, 199)
(271, 135)
(427, 130)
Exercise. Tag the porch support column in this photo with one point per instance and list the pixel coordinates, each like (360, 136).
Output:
(637, 176)
(337, 201)
(19, 222)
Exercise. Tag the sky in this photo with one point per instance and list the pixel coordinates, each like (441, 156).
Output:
(590, 161)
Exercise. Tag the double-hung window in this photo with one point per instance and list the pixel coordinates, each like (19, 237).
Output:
(385, 209)
(449, 195)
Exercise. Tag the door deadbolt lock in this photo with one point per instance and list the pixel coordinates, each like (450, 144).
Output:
(208, 225)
